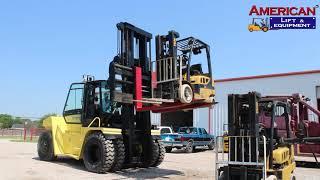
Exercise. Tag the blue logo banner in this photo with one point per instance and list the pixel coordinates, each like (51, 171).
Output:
(292, 23)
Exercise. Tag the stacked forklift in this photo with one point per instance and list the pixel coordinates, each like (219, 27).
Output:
(107, 122)
(257, 149)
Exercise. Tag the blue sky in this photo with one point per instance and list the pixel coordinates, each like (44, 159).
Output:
(47, 45)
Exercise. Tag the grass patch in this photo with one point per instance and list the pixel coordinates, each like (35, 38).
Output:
(34, 140)
(11, 137)
(19, 139)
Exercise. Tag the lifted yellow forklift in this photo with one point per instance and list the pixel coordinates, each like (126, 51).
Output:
(255, 150)
(107, 122)
(100, 123)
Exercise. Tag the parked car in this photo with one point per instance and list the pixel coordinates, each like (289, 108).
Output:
(164, 129)
(188, 138)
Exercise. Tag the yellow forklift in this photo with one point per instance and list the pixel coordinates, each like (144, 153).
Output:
(255, 150)
(100, 123)
(106, 123)
(259, 24)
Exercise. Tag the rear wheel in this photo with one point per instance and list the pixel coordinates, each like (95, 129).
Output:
(99, 153)
(45, 146)
(168, 149)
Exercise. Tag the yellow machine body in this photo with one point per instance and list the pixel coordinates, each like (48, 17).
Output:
(253, 27)
(68, 138)
(225, 144)
(284, 157)
(206, 91)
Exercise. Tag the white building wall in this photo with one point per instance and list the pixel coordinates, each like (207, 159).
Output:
(286, 85)
(201, 118)
(155, 119)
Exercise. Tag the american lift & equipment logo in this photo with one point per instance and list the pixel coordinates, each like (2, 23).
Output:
(275, 18)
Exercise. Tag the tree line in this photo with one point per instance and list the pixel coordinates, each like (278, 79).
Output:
(7, 120)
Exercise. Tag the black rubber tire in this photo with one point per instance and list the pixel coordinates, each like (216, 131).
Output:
(99, 153)
(45, 147)
(211, 145)
(168, 149)
(189, 147)
(265, 29)
(222, 176)
(119, 155)
(159, 156)
(292, 177)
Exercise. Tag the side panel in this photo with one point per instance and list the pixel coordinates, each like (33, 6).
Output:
(68, 139)
(58, 129)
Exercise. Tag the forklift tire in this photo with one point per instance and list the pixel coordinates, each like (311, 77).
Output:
(159, 156)
(251, 30)
(272, 177)
(119, 155)
(189, 147)
(99, 153)
(45, 147)
(168, 149)
(187, 94)
(158, 151)
(222, 176)
(264, 29)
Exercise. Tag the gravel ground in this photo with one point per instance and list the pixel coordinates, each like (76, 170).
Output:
(19, 160)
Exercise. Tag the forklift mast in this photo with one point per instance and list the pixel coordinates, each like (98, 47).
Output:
(243, 114)
(167, 65)
(243, 121)
(134, 55)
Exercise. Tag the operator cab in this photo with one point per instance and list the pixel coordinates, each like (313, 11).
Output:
(89, 100)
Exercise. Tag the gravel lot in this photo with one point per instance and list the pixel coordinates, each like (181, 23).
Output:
(20, 161)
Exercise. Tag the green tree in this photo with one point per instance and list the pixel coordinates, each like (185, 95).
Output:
(6, 120)
(40, 122)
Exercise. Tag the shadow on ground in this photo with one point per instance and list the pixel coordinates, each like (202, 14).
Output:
(139, 173)
(306, 164)
(149, 173)
(182, 150)
(68, 162)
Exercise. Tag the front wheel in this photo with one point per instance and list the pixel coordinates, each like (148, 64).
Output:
(45, 146)
(186, 95)
(168, 149)
(99, 153)
(160, 155)
(265, 29)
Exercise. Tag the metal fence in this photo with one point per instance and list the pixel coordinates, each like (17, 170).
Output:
(25, 134)
(241, 156)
